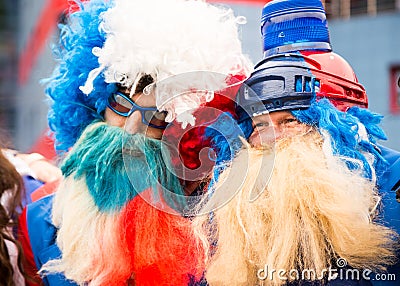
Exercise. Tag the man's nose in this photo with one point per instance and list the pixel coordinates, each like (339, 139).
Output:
(277, 133)
(271, 134)
(134, 123)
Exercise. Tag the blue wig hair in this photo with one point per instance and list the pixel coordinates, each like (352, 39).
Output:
(224, 135)
(344, 127)
(71, 110)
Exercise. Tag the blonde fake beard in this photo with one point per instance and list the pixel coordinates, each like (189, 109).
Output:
(312, 211)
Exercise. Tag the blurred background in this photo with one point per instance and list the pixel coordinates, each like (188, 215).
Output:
(365, 32)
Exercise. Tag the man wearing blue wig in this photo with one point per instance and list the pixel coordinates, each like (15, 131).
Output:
(116, 216)
(326, 212)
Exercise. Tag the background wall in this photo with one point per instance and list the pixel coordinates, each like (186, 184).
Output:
(372, 46)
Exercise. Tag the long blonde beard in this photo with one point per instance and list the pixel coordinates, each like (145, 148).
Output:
(313, 210)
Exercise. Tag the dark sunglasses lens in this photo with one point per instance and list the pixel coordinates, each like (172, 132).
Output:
(119, 103)
(155, 118)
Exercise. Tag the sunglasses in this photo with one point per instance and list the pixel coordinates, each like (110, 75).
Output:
(124, 106)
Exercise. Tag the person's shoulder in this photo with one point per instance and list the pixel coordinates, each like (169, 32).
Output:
(45, 190)
(388, 181)
(42, 236)
(389, 177)
(38, 218)
(42, 205)
(38, 214)
(390, 155)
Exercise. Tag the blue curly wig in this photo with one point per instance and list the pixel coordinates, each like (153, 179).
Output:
(344, 127)
(71, 110)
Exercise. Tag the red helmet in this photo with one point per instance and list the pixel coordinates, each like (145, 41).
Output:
(291, 81)
(338, 82)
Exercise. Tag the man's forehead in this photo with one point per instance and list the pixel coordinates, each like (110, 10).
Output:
(261, 117)
(144, 98)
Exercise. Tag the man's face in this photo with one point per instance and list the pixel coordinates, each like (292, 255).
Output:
(134, 123)
(271, 127)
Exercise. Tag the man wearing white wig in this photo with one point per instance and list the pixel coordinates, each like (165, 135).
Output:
(116, 216)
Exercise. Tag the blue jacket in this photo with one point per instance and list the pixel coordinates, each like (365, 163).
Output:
(42, 235)
(388, 181)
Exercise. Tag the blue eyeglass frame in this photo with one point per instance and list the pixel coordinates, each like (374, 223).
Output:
(135, 107)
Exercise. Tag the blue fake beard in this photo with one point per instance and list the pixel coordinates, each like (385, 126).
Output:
(117, 166)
